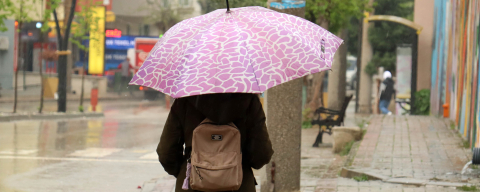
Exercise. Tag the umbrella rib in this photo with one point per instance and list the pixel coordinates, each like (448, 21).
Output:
(214, 21)
(249, 60)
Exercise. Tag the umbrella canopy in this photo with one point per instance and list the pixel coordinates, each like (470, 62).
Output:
(245, 50)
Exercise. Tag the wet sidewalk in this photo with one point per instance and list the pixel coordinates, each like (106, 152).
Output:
(417, 147)
(33, 95)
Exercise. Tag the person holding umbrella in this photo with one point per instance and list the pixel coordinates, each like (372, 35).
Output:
(215, 65)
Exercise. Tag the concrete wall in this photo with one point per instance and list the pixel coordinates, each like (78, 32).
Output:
(33, 79)
(6, 57)
(423, 15)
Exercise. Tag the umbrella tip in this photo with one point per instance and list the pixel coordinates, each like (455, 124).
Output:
(228, 7)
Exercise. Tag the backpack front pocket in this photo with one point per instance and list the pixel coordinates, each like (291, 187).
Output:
(208, 175)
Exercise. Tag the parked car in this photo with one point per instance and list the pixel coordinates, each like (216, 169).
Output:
(351, 72)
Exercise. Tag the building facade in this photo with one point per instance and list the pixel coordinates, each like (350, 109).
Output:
(142, 17)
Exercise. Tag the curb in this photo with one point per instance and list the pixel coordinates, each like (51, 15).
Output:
(350, 173)
(73, 99)
(48, 116)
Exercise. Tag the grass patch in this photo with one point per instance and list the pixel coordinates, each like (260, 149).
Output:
(306, 125)
(362, 124)
(452, 125)
(466, 144)
(435, 179)
(360, 178)
(467, 188)
(475, 167)
(347, 148)
(306, 118)
(364, 131)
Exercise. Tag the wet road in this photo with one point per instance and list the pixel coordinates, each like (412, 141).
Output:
(114, 153)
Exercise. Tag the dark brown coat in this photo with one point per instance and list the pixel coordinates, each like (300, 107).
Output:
(244, 110)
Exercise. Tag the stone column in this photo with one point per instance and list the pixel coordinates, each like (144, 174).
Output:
(365, 88)
(283, 106)
(284, 122)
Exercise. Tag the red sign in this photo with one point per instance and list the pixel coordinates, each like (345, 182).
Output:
(88, 3)
(143, 46)
(113, 33)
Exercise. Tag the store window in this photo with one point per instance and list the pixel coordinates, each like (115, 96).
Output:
(146, 30)
(185, 3)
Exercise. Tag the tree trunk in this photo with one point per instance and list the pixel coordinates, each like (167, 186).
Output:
(83, 83)
(316, 99)
(62, 60)
(15, 89)
(316, 88)
(24, 67)
(19, 61)
(337, 77)
(19, 58)
(41, 81)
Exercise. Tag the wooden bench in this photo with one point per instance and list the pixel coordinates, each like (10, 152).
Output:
(329, 118)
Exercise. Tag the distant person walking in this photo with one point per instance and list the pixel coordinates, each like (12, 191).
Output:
(386, 91)
(126, 75)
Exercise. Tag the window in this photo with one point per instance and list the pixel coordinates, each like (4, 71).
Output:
(146, 30)
(185, 2)
(166, 3)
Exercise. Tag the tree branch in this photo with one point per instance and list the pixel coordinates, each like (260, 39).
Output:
(69, 23)
(57, 27)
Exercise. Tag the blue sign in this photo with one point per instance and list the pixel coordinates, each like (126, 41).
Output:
(118, 43)
(114, 57)
(287, 4)
(122, 43)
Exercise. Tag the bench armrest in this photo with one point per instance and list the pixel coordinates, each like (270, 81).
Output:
(327, 111)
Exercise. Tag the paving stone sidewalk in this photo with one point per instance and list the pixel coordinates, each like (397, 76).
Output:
(417, 147)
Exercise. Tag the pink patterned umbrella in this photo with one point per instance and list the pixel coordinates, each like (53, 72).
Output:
(246, 50)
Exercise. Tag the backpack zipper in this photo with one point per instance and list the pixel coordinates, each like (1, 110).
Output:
(198, 172)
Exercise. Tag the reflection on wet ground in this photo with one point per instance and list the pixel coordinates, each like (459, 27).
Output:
(114, 153)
